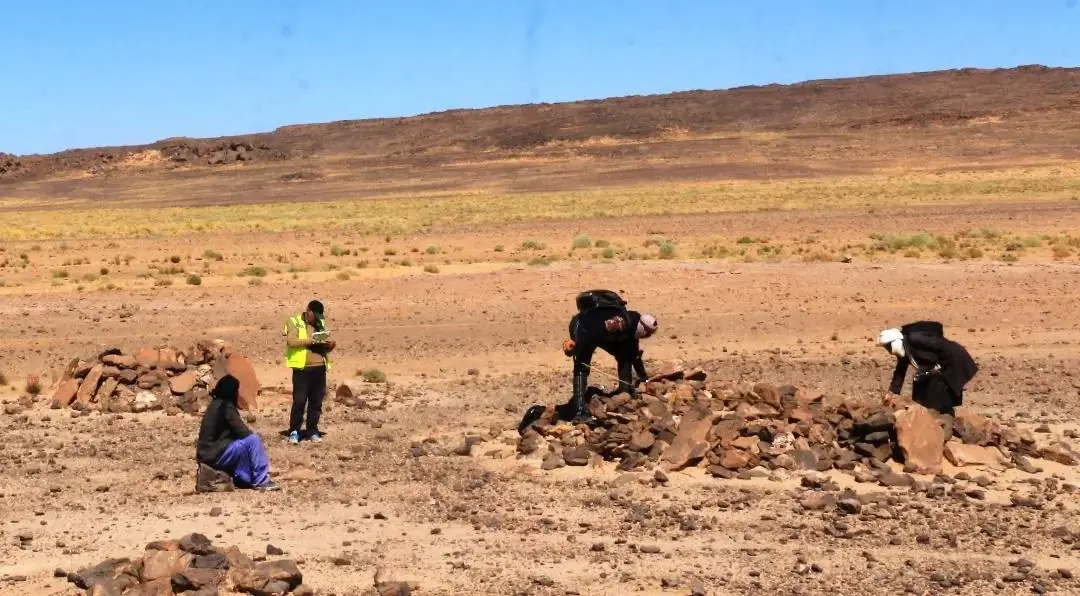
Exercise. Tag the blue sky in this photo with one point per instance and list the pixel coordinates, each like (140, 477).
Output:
(81, 73)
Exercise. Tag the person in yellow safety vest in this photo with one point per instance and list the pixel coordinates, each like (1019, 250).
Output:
(307, 353)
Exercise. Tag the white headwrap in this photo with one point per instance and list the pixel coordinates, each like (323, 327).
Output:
(646, 326)
(894, 339)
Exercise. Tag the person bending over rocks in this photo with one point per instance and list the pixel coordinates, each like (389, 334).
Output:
(226, 444)
(942, 366)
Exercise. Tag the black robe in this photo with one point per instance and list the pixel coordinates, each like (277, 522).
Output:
(588, 332)
(940, 390)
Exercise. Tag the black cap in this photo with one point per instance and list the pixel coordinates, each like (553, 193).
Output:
(316, 307)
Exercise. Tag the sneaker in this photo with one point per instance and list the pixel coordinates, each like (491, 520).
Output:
(315, 437)
(294, 438)
(268, 486)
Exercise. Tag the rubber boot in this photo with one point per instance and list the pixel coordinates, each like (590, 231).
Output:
(578, 408)
(533, 414)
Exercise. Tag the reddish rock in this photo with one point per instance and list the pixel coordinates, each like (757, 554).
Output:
(106, 391)
(158, 564)
(65, 393)
(89, 386)
(240, 367)
(184, 382)
(768, 394)
(147, 357)
(693, 429)
(921, 440)
(963, 454)
(120, 360)
(641, 441)
(735, 459)
(972, 428)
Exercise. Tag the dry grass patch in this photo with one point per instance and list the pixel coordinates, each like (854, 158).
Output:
(397, 215)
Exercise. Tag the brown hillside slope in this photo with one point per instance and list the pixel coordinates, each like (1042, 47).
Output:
(944, 118)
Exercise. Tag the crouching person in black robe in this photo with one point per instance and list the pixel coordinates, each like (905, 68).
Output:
(617, 335)
(942, 366)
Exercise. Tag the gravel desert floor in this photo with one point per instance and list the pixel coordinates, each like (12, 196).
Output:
(467, 350)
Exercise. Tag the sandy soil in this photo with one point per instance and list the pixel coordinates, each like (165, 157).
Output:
(88, 488)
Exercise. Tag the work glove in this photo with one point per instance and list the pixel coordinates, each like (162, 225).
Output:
(568, 346)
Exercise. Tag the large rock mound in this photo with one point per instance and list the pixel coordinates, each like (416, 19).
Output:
(681, 420)
(191, 565)
(154, 379)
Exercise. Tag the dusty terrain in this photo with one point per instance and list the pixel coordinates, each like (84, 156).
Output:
(777, 259)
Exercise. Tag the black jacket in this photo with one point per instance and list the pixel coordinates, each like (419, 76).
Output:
(221, 425)
(929, 349)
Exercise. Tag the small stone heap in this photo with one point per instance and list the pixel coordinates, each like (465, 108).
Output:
(191, 565)
(154, 379)
(680, 420)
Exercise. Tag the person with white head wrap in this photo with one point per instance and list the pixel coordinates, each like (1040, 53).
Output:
(943, 367)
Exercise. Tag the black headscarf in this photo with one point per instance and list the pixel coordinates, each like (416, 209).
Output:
(227, 388)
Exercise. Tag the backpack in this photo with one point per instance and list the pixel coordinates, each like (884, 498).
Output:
(590, 300)
(594, 299)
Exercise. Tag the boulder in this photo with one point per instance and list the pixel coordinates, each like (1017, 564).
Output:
(921, 439)
(121, 361)
(240, 367)
(65, 393)
(184, 382)
(972, 428)
(88, 388)
(147, 357)
(964, 454)
(690, 438)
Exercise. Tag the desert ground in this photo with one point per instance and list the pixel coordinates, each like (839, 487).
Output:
(771, 251)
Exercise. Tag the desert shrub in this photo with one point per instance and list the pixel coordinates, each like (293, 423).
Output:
(431, 268)
(582, 241)
(1061, 252)
(193, 280)
(432, 249)
(174, 259)
(253, 271)
(609, 253)
(33, 384)
(373, 375)
(667, 249)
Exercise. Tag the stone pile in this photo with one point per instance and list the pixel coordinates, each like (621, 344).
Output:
(679, 419)
(191, 565)
(154, 379)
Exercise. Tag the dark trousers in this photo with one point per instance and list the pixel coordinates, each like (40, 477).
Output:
(933, 393)
(308, 389)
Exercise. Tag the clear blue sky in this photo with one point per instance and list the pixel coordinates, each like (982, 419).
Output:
(81, 73)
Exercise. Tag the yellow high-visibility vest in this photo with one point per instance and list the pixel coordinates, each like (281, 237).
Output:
(297, 357)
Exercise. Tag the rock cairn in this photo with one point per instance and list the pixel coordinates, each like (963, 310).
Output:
(191, 565)
(681, 420)
(154, 379)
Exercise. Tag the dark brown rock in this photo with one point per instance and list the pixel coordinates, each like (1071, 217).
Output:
(576, 456)
(192, 579)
